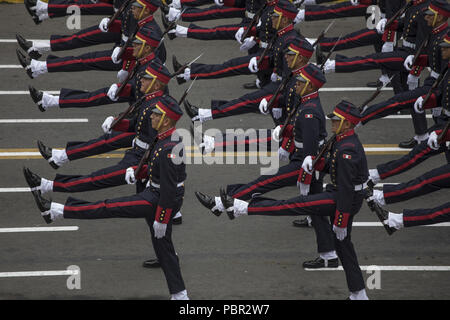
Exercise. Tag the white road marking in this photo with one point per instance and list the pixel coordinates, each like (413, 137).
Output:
(75, 120)
(378, 224)
(10, 66)
(13, 92)
(39, 273)
(390, 268)
(38, 229)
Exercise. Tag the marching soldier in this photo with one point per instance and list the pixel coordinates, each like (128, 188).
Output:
(282, 18)
(347, 166)
(106, 60)
(436, 16)
(144, 44)
(153, 82)
(297, 55)
(162, 197)
(118, 32)
(42, 10)
(301, 140)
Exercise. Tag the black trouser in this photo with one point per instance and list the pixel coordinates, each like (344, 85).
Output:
(421, 217)
(104, 178)
(141, 205)
(285, 177)
(324, 205)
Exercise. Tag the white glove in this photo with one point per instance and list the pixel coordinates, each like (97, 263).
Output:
(277, 113)
(248, 44)
(122, 75)
(175, 4)
(103, 25)
(115, 54)
(413, 82)
(381, 25)
(408, 62)
(112, 92)
(283, 154)
(341, 233)
(374, 176)
(218, 2)
(160, 229)
(173, 14)
(418, 105)
(238, 34)
(263, 106)
(300, 16)
(106, 126)
(129, 176)
(208, 144)
(378, 197)
(307, 164)
(274, 77)
(387, 47)
(304, 188)
(432, 141)
(276, 133)
(253, 65)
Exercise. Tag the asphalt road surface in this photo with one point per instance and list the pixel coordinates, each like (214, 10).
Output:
(247, 258)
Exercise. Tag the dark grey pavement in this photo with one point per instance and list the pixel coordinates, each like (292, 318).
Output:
(248, 258)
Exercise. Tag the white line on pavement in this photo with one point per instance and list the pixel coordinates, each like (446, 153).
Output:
(10, 66)
(38, 229)
(75, 120)
(13, 92)
(390, 268)
(39, 273)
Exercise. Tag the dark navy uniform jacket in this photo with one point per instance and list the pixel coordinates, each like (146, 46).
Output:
(347, 166)
(167, 170)
(140, 121)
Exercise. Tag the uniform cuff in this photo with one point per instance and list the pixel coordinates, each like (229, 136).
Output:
(341, 219)
(163, 215)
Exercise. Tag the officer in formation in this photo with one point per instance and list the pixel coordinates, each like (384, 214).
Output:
(287, 86)
(146, 128)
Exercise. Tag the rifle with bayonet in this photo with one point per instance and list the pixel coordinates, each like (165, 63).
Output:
(117, 13)
(254, 21)
(184, 66)
(443, 134)
(127, 112)
(329, 53)
(436, 84)
(322, 34)
(375, 94)
(419, 51)
(398, 13)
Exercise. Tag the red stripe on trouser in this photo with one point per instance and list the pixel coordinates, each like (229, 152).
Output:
(64, 63)
(108, 205)
(262, 183)
(312, 13)
(120, 136)
(362, 61)
(292, 205)
(194, 75)
(347, 40)
(82, 100)
(240, 104)
(204, 13)
(75, 36)
(406, 164)
(212, 30)
(90, 179)
(388, 107)
(428, 216)
(417, 186)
